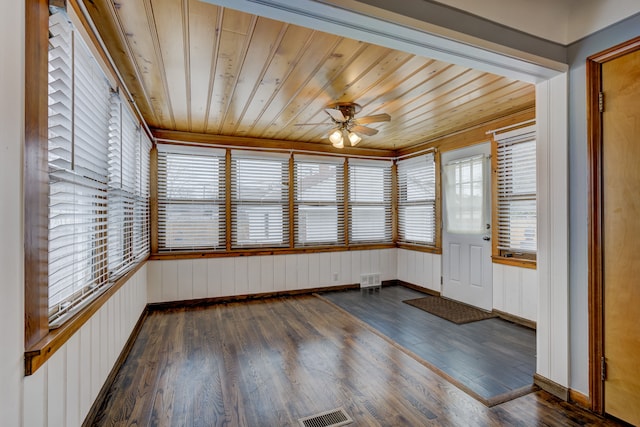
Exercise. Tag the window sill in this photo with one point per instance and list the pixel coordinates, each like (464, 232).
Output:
(265, 251)
(515, 262)
(39, 353)
(420, 248)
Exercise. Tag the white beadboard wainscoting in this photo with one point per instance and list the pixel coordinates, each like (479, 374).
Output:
(419, 268)
(61, 392)
(186, 279)
(515, 291)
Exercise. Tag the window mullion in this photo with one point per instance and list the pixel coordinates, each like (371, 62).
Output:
(345, 205)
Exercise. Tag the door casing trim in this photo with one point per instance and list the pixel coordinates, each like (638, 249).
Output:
(595, 211)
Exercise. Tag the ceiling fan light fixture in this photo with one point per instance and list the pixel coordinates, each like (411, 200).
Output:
(339, 144)
(354, 138)
(336, 138)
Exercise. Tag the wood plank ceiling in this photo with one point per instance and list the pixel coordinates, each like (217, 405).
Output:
(195, 67)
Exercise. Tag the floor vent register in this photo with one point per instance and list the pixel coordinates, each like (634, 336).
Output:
(334, 418)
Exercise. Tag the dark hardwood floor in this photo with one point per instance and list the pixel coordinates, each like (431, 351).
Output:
(494, 360)
(270, 362)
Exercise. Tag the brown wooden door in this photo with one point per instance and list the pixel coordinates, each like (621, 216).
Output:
(621, 235)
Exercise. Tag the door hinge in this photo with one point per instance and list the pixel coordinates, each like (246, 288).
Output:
(441, 280)
(603, 368)
(601, 102)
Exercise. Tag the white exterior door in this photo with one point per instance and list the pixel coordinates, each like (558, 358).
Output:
(466, 216)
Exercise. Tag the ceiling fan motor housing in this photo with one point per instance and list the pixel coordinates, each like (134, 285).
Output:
(348, 109)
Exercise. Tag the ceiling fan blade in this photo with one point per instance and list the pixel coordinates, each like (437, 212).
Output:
(384, 117)
(336, 114)
(364, 130)
(312, 124)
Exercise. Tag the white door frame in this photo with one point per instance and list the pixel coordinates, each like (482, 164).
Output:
(350, 18)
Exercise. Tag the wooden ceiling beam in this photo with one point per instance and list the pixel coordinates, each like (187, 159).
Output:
(178, 137)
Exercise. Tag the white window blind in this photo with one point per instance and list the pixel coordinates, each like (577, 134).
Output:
(516, 179)
(191, 198)
(369, 201)
(78, 137)
(259, 199)
(128, 194)
(141, 220)
(318, 200)
(417, 200)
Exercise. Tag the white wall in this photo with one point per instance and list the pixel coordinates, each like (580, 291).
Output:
(61, 392)
(515, 291)
(11, 252)
(552, 332)
(562, 21)
(419, 268)
(175, 280)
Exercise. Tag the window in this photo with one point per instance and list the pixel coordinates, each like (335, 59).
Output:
(78, 170)
(95, 179)
(318, 200)
(369, 201)
(259, 199)
(464, 191)
(191, 198)
(141, 216)
(417, 200)
(516, 195)
(128, 194)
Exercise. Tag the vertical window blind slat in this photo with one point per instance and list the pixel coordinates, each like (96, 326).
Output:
(417, 200)
(370, 201)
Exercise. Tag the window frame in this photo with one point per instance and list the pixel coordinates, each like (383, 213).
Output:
(526, 259)
(454, 171)
(386, 202)
(128, 188)
(238, 200)
(218, 203)
(434, 201)
(40, 341)
(338, 203)
(78, 146)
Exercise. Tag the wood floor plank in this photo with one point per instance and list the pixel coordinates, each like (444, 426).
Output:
(271, 362)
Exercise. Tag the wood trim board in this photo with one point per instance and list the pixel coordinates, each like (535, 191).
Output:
(36, 179)
(552, 387)
(595, 219)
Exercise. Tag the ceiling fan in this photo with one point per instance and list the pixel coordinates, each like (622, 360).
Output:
(347, 127)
